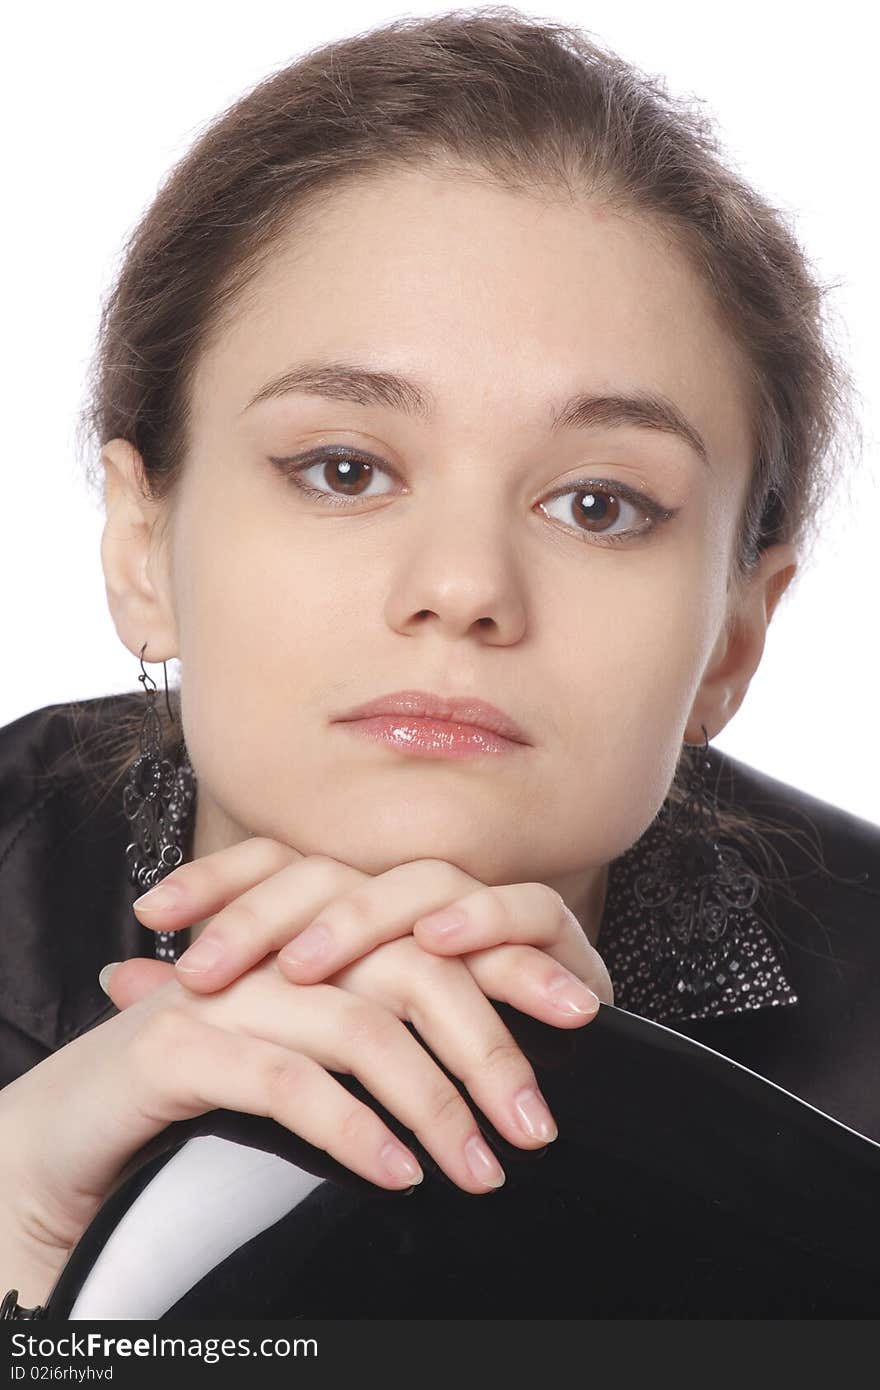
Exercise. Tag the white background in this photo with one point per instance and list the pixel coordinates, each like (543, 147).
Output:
(98, 100)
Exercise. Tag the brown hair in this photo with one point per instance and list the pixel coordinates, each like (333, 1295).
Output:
(540, 107)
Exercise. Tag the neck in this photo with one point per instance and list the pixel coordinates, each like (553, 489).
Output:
(586, 897)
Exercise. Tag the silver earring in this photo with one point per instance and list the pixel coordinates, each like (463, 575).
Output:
(157, 799)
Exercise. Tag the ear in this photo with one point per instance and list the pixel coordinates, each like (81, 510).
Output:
(134, 555)
(740, 646)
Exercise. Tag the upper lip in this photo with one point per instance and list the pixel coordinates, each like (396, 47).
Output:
(425, 704)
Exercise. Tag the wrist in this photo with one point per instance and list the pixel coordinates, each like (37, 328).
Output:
(30, 1260)
(29, 1274)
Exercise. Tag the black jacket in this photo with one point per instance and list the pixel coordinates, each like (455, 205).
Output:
(65, 911)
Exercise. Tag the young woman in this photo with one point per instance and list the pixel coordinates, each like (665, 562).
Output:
(461, 421)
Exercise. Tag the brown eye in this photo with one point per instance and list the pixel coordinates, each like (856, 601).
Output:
(345, 474)
(596, 509)
(353, 475)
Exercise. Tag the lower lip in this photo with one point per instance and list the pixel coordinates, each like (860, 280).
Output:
(431, 738)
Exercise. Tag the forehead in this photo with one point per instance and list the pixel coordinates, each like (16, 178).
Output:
(500, 300)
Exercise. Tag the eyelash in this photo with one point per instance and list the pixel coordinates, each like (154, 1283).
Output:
(656, 515)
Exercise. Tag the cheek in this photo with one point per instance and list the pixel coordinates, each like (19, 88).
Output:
(629, 694)
(257, 646)
(246, 587)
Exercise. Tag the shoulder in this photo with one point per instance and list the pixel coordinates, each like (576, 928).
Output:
(848, 844)
(823, 882)
(44, 751)
(64, 896)
(50, 759)
(822, 905)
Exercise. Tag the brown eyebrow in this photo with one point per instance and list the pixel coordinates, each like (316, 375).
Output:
(347, 381)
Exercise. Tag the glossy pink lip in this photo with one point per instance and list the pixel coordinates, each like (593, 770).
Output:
(422, 704)
(431, 738)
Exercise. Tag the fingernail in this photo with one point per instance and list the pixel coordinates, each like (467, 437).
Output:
(449, 920)
(534, 1116)
(201, 955)
(104, 975)
(400, 1163)
(160, 898)
(482, 1162)
(310, 944)
(571, 997)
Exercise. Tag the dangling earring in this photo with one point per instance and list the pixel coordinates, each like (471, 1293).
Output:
(157, 798)
(697, 893)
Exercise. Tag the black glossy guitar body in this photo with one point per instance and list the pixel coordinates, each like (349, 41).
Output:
(681, 1185)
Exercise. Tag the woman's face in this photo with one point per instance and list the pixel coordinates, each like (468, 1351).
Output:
(453, 567)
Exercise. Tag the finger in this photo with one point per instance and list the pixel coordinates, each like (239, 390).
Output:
(258, 1077)
(262, 919)
(347, 1033)
(127, 981)
(452, 1014)
(348, 911)
(535, 984)
(374, 910)
(530, 914)
(205, 885)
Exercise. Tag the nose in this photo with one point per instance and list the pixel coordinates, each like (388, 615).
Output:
(462, 570)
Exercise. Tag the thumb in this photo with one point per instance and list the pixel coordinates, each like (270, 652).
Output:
(127, 981)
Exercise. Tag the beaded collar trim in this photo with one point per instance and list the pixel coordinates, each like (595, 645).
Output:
(631, 943)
